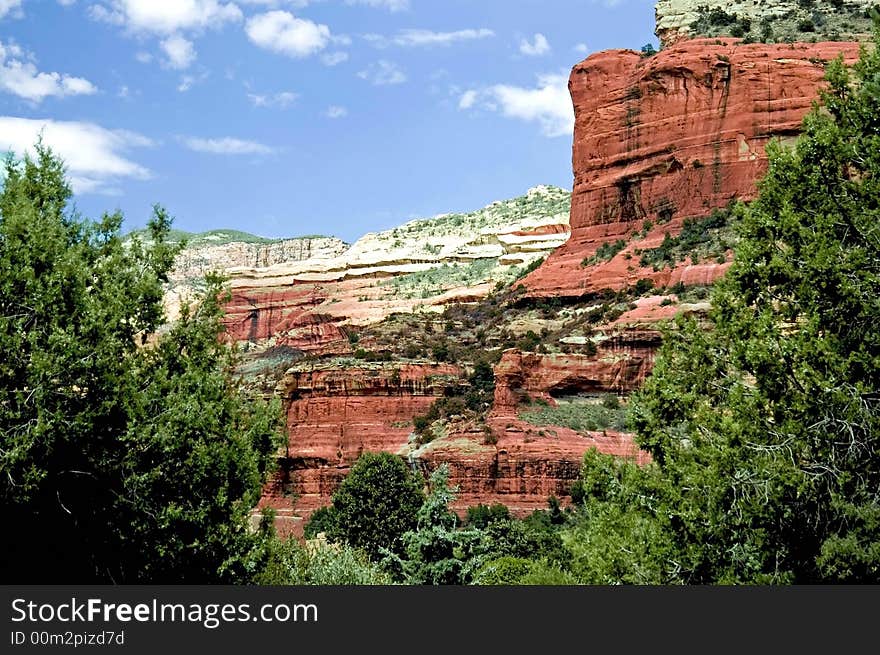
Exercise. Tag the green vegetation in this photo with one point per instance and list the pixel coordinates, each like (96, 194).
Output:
(705, 238)
(210, 238)
(579, 415)
(121, 462)
(470, 399)
(534, 265)
(439, 551)
(550, 201)
(375, 505)
(317, 563)
(434, 281)
(605, 252)
(831, 20)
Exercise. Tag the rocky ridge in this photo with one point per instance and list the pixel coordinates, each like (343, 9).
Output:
(669, 138)
(773, 21)
(421, 266)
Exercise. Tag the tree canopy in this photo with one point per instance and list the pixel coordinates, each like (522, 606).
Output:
(127, 455)
(376, 504)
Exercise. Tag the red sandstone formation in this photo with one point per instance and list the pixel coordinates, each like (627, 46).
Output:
(620, 365)
(524, 467)
(539, 231)
(673, 136)
(526, 464)
(288, 316)
(662, 138)
(336, 412)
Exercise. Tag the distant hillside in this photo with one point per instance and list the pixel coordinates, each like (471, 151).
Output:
(219, 237)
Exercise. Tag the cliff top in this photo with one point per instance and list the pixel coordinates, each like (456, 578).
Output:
(540, 205)
(221, 237)
(765, 20)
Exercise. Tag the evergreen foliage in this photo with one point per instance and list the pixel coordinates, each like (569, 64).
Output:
(376, 504)
(765, 427)
(121, 460)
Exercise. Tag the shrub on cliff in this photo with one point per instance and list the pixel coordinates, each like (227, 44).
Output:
(121, 461)
(766, 427)
(376, 504)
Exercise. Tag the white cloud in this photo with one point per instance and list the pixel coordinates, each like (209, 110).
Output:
(418, 37)
(390, 5)
(282, 100)
(66, 3)
(143, 57)
(282, 32)
(539, 46)
(10, 49)
(335, 111)
(102, 14)
(581, 49)
(548, 104)
(299, 4)
(21, 77)
(7, 6)
(226, 146)
(468, 99)
(179, 51)
(166, 17)
(334, 58)
(188, 81)
(383, 73)
(94, 156)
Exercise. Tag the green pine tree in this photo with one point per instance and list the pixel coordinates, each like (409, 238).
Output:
(766, 425)
(121, 461)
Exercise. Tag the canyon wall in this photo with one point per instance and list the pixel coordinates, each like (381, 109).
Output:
(668, 137)
(420, 266)
(338, 409)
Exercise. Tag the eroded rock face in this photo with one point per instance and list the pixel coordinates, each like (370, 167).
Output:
(337, 410)
(670, 137)
(423, 265)
(523, 467)
(521, 464)
(620, 365)
(194, 262)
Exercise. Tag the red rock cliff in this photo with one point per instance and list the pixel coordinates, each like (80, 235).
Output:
(669, 137)
(334, 413)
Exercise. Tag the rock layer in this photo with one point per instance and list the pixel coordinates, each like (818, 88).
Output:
(620, 365)
(422, 265)
(669, 137)
(337, 410)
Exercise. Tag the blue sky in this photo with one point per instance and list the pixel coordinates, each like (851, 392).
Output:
(290, 117)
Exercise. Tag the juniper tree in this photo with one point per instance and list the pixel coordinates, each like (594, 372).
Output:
(122, 460)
